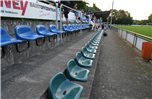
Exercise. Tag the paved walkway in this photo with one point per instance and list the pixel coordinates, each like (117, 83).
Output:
(121, 73)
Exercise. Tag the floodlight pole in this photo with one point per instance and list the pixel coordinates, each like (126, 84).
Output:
(112, 12)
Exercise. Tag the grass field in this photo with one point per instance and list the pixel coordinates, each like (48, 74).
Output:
(144, 30)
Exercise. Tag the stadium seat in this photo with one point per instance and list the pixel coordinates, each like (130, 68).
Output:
(87, 54)
(6, 39)
(92, 50)
(67, 28)
(42, 30)
(82, 61)
(91, 46)
(61, 88)
(75, 72)
(95, 41)
(79, 27)
(54, 29)
(24, 32)
(73, 27)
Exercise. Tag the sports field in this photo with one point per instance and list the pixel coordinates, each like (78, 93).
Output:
(144, 30)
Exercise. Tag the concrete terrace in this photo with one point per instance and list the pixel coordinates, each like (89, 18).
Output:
(118, 71)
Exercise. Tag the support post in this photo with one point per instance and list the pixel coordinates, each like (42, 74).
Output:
(57, 14)
(61, 17)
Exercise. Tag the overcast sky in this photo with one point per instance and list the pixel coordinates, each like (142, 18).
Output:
(139, 9)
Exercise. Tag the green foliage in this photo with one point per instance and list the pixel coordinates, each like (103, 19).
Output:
(96, 8)
(144, 22)
(145, 30)
(82, 5)
(150, 18)
(121, 17)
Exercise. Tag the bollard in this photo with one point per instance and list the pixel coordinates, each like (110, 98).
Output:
(147, 50)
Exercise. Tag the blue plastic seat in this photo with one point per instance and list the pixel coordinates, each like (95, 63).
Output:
(54, 29)
(82, 61)
(6, 39)
(24, 32)
(42, 30)
(61, 88)
(78, 27)
(67, 28)
(75, 72)
(73, 27)
(87, 54)
(88, 26)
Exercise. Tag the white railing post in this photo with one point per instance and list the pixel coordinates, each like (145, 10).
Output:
(61, 17)
(135, 40)
(56, 3)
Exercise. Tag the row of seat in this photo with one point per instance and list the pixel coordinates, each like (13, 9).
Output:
(25, 33)
(61, 85)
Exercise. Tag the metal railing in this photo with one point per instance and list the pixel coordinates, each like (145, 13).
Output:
(136, 34)
(61, 6)
(135, 39)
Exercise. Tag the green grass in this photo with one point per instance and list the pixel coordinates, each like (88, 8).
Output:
(144, 30)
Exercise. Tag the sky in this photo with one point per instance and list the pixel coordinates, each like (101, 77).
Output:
(139, 9)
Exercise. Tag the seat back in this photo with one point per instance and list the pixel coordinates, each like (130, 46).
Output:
(23, 29)
(53, 28)
(72, 26)
(65, 27)
(71, 64)
(4, 35)
(54, 83)
(84, 49)
(78, 55)
(87, 45)
(41, 29)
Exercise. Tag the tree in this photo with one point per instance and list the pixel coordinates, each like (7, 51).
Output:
(82, 5)
(150, 18)
(121, 17)
(95, 7)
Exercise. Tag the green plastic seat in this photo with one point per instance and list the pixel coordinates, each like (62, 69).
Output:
(91, 50)
(61, 88)
(82, 61)
(95, 42)
(87, 54)
(75, 72)
(92, 46)
(92, 43)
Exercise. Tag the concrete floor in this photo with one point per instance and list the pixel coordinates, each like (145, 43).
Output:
(29, 79)
(121, 73)
(118, 71)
